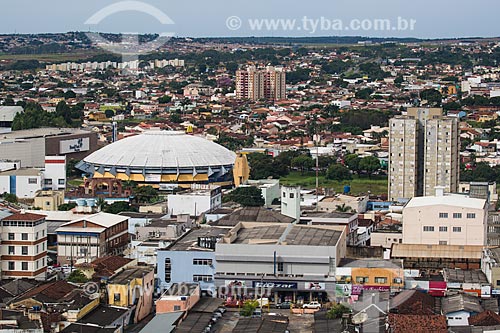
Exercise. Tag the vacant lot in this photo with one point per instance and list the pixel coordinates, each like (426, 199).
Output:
(359, 184)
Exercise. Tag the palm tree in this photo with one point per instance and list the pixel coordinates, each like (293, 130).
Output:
(344, 209)
(100, 203)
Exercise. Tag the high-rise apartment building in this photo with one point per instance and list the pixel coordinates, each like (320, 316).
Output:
(423, 153)
(255, 84)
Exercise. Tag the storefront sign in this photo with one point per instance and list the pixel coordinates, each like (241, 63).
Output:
(314, 286)
(74, 145)
(235, 283)
(357, 289)
(343, 290)
(274, 285)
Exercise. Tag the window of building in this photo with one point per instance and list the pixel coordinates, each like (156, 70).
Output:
(116, 297)
(200, 278)
(24, 250)
(202, 262)
(284, 194)
(443, 229)
(457, 229)
(11, 236)
(12, 250)
(291, 195)
(471, 215)
(177, 308)
(24, 266)
(48, 181)
(168, 270)
(12, 266)
(362, 279)
(457, 215)
(24, 236)
(61, 181)
(280, 267)
(428, 228)
(380, 280)
(443, 215)
(443, 243)
(498, 282)
(32, 181)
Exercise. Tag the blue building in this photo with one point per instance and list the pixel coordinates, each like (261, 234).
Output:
(191, 259)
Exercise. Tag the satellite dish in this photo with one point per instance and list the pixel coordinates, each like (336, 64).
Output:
(359, 318)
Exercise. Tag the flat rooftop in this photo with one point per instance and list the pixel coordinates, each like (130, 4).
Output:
(251, 214)
(464, 276)
(288, 235)
(189, 242)
(103, 315)
(371, 263)
(40, 133)
(127, 275)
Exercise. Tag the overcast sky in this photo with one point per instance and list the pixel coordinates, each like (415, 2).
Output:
(202, 18)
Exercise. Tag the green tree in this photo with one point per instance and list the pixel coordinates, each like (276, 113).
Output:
(337, 311)
(249, 307)
(9, 197)
(248, 196)
(109, 113)
(175, 118)
(101, 204)
(66, 206)
(352, 162)
(77, 276)
(69, 94)
(338, 172)
(165, 99)
(120, 206)
(364, 93)
(369, 164)
(147, 194)
(432, 96)
(302, 162)
(263, 166)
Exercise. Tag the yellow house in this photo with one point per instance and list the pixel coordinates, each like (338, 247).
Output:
(133, 287)
(49, 200)
(376, 274)
(241, 170)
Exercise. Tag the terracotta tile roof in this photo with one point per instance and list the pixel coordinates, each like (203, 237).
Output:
(413, 302)
(107, 266)
(417, 323)
(486, 318)
(49, 292)
(24, 217)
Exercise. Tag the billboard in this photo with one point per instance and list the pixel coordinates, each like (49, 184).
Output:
(343, 290)
(314, 286)
(74, 145)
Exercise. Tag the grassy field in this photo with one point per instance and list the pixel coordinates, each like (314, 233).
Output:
(376, 185)
(75, 182)
(51, 57)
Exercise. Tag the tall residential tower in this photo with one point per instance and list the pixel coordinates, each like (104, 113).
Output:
(423, 153)
(255, 84)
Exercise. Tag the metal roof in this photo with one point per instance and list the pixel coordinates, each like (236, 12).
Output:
(162, 149)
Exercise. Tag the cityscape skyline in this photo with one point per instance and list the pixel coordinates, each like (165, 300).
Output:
(427, 15)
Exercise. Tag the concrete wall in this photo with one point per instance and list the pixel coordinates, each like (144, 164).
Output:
(183, 268)
(473, 230)
(385, 239)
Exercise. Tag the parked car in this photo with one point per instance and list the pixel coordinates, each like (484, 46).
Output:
(263, 301)
(257, 313)
(284, 305)
(312, 305)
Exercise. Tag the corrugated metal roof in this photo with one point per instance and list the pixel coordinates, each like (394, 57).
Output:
(436, 251)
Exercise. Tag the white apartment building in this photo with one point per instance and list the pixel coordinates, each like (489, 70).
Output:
(445, 219)
(201, 199)
(26, 182)
(23, 247)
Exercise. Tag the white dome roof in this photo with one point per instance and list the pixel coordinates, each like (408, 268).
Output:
(162, 149)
